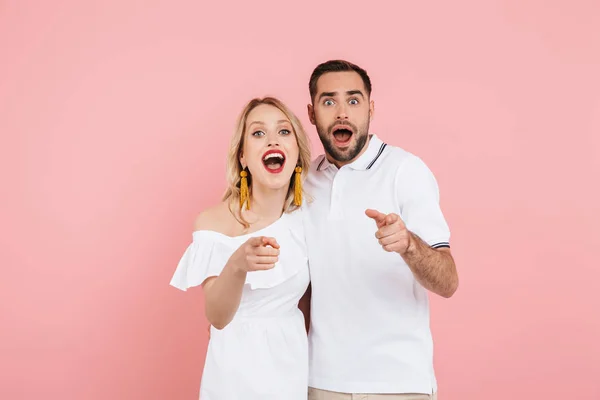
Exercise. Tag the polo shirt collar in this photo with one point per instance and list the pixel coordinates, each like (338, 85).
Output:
(375, 147)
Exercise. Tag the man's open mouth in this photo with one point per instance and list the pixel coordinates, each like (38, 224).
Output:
(342, 135)
(274, 160)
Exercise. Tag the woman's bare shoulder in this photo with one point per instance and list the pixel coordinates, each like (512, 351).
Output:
(216, 218)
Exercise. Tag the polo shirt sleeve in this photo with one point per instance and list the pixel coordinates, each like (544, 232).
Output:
(419, 203)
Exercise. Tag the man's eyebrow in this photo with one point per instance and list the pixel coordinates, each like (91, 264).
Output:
(353, 92)
(327, 94)
(348, 93)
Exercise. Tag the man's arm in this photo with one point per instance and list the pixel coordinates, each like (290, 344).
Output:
(433, 268)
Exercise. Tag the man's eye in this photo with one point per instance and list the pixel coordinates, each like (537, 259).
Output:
(354, 101)
(328, 102)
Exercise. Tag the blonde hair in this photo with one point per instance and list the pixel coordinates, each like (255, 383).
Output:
(234, 167)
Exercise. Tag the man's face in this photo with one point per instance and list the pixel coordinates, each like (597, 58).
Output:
(341, 112)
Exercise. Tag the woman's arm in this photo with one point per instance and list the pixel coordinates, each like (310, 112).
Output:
(222, 294)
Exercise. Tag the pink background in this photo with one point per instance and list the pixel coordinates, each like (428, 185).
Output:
(115, 119)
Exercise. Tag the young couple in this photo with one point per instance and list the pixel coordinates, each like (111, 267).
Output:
(354, 239)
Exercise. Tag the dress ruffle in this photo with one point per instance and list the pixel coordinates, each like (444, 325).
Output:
(210, 251)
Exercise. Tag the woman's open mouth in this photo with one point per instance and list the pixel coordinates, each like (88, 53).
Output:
(274, 160)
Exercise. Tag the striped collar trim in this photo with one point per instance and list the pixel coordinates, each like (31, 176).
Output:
(365, 161)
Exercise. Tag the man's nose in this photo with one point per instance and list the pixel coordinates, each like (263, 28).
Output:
(341, 112)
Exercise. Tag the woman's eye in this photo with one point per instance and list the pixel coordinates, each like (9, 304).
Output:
(285, 132)
(258, 133)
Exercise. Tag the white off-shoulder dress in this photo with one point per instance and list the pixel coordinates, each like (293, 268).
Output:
(262, 354)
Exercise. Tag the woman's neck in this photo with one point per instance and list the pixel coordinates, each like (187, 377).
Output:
(267, 204)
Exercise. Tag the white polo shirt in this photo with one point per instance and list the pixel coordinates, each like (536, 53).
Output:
(369, 316)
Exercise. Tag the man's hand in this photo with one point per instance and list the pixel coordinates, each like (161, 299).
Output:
(391, 231)
(434, 269)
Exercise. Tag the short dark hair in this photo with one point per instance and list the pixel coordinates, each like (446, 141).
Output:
(337, 66)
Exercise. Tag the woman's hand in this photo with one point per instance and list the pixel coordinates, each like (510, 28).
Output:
(256, 254)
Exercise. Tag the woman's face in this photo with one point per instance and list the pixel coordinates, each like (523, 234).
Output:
(270, 148)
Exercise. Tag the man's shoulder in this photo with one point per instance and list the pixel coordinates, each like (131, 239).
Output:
(314, 164)
(399, 157)
(397, 152)
(404, 163)
(313, 175)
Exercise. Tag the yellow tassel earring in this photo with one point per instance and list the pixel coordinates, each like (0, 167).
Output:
(244, 193)
(298, 186)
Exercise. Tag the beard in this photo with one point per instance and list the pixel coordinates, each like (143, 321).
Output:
(350, 153)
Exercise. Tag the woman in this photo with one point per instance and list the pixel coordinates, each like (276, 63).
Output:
(249, 255)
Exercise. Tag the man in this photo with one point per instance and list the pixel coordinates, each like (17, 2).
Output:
(377, 242)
